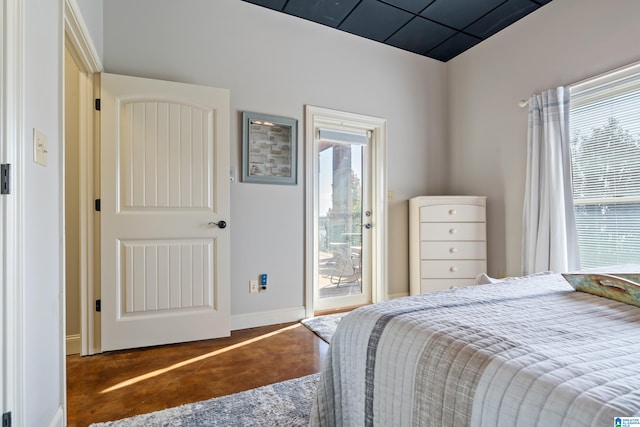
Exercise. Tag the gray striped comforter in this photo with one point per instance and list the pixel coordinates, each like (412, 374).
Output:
(528, 353)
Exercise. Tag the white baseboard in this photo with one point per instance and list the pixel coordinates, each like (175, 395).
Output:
(398, 295)
(74, 345)
(265, 318)
(58, 418)
(238, 321)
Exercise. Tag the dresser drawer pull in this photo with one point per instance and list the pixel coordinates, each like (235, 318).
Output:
(453, 250)
(452, 212)
(453, 269)
(453, 231)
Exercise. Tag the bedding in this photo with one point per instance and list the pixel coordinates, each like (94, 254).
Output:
(531, 352)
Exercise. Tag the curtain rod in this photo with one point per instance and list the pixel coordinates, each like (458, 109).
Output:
(629, 68)
(618, 73)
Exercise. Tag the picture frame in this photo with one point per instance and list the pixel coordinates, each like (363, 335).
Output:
(269, 149)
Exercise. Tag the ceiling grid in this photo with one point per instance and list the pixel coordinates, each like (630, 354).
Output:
(438, 29)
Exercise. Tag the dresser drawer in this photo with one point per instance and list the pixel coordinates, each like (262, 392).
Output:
(451, 213)
(433, 285)
(451, 269)
(453, 231)
(453, 250)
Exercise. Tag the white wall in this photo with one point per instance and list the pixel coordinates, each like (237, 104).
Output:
(561, 43)
(41, 191)
(275, 64)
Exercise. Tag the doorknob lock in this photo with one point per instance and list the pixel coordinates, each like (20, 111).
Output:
(220, 224)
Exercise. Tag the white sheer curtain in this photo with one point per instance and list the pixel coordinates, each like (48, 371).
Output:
(549, 240)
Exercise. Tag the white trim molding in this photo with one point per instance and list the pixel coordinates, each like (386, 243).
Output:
(398, 295)
(81, 47)
(314, 116)
(13, 110)
(3, 225)
(78, 35)
(265, 318)
(73, 344)
(58, 418)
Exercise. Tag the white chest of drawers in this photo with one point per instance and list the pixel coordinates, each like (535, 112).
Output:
(447, 242)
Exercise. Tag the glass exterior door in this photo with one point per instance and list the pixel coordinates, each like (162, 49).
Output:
(342, 223)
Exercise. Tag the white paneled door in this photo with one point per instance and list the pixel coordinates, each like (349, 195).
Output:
(164, 212)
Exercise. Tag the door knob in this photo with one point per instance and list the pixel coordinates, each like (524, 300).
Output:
(220, 224)
(367, 226)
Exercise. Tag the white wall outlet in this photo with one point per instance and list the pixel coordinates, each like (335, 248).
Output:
(40, 150)
(253, 286)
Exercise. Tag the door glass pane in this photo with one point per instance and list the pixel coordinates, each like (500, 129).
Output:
(340, 219)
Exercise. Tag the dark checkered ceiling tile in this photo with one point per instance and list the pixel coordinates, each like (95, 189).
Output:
(439, 29)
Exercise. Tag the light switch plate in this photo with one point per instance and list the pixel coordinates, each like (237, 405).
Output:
(40, 150)
(253, 286)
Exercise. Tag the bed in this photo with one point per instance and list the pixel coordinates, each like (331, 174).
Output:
(528, 352)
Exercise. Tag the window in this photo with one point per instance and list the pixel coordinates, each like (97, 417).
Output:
(605, 153)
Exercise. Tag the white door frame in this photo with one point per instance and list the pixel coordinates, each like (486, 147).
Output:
(78, 42)
(12, 208)
(3, 225)
(379, 288)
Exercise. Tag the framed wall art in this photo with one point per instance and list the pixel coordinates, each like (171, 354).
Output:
(269, 147)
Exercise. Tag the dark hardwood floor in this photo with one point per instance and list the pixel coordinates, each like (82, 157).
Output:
(124, 383)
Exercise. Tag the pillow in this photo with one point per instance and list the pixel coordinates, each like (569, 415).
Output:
(618, 287)
(483, 279)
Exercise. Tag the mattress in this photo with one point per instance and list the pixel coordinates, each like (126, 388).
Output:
(530, 352)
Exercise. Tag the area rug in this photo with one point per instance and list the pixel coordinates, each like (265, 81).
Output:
(324, 326)
(287, 403)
